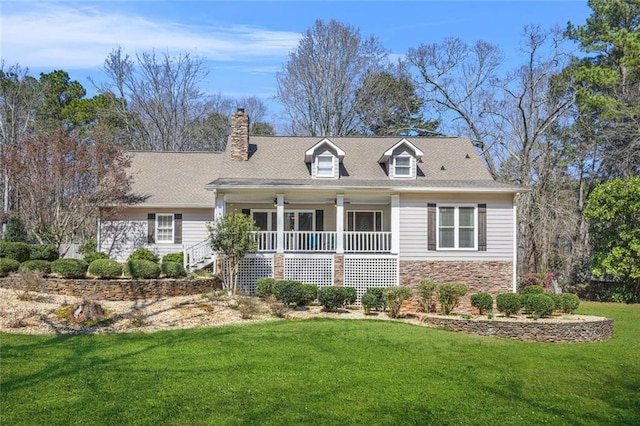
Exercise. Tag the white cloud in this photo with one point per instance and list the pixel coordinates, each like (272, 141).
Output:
(55, 36)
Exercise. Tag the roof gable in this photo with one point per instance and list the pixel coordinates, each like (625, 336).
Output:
(308, 155)
(417, 153)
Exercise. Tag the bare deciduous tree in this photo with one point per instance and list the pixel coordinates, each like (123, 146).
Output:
(318, 85)
(63, 181)
(458, 81)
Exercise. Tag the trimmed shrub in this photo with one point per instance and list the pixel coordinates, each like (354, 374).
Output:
(69, 268)
(7, 266)
(393, 298)
(449, 295)
(309, 293)
(331, 297)
(567, 302)
(95, 255)
(426, 290)
(509, 303)
(373, 299)
(43, 252)
(350, 295)
(532, 289)
(289, 292)
(265, 287)
(141, 268)
(15, 251)
(144, 254)
(540, 305)
(44, 266)
(173, 269)
(482, 301)
(173, 257)
(105, 268)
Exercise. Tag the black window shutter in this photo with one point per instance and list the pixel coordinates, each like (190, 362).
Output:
(431, 227)
(319, 220)
(151, 228)
(482, 227)
(177, 228)
(246, 212)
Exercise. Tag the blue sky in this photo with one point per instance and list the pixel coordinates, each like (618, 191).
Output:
(245, 42)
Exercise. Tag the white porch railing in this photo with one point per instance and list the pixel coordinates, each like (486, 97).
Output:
(367, 242)
(325, 241)
(310, 241)
(198, 255)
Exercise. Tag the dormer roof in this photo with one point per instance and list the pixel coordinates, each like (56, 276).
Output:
(417, 153)
(308, 155)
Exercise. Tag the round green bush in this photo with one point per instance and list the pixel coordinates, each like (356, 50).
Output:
(394, 297)
(350, 295)
(331, 297)
(95, 255)
(540, 305)
(449, 295)
(105, 268)
(173, 269)
(7, 266)
(509, 303)
(265, 287)
(15, 251)
(482, 301)
(373, 299)
(43, 266)
(144, 254)
(289, 292)
(569, 301)
(173, 257)
(43, 252)
(69, 268)
(140, 268)
(309, 293)
(532, 289)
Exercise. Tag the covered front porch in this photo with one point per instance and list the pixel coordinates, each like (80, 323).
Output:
(318, 221)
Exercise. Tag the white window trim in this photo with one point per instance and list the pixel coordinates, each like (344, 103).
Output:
(173, 228)
(297, 222)
(333, 166)
(395, 169)
(350, 225)
(456, 227)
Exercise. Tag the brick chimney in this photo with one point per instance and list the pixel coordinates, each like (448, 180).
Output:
(239, 139)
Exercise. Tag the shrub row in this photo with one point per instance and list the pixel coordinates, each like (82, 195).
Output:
(22, 252)
(538, 304)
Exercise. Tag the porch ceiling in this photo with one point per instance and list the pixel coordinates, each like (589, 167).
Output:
(307, 197)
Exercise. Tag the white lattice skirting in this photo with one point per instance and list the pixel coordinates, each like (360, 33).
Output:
(363, 272)
(316, 270)
(251, 268)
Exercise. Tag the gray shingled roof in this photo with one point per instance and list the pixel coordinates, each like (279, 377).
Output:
(181, 178)
(279, 161)
(174, 178)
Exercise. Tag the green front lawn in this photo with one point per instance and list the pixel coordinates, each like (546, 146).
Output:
(322, 372)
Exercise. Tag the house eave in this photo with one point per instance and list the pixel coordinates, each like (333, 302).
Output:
(425, 189)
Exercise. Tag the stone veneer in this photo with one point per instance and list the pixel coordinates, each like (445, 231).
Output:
(491, 277)
(586, 329)
(278, 266)
(117, 289)
(239, 138)
(338, 269)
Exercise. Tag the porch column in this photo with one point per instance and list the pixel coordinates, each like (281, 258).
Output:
(218, 202)
(395, 223)
(340, 223)
(280, 223)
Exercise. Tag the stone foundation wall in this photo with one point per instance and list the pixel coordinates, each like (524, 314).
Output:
(338, 269)
(589, 330)
(115, 289)
(489, 277)
(278, 266)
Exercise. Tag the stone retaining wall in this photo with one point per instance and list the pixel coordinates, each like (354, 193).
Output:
(590, 329)
(115, 289)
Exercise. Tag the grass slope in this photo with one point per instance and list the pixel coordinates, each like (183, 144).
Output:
(321, 372)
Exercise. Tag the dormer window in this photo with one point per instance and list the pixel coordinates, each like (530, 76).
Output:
(402, 166)
(324, 164)
(401, 160)
(324, 158)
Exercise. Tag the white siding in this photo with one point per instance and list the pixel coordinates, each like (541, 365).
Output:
(413, 227)
(120, 238)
